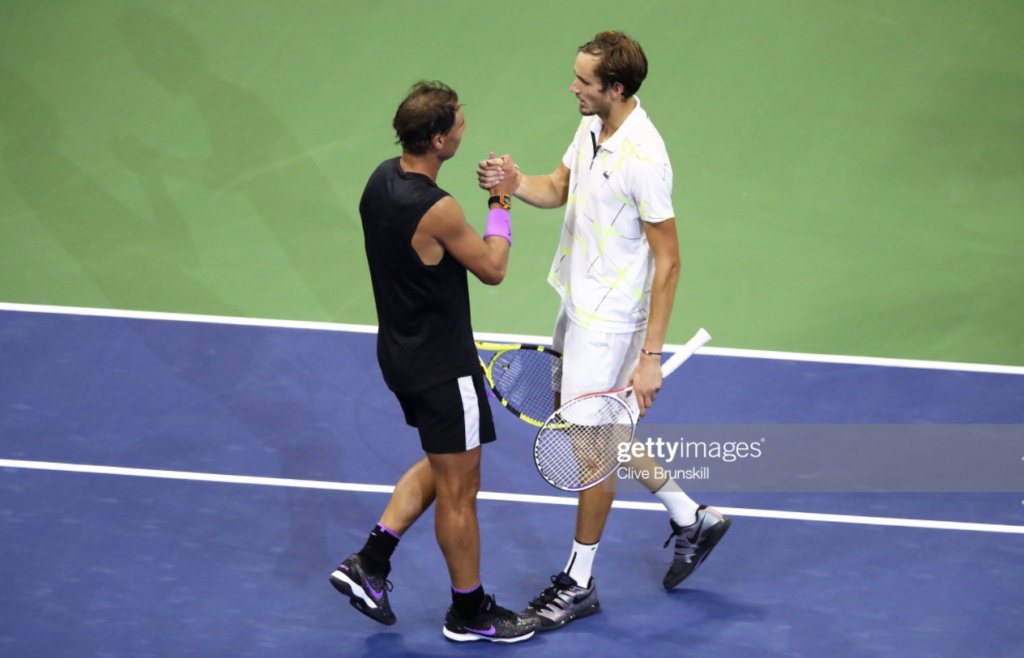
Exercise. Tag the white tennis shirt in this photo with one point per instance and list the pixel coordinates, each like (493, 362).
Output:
(604, 267)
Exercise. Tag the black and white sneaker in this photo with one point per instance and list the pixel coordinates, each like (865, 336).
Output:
(561, 603)
(367, 594)
(494, 624)
(694, 543)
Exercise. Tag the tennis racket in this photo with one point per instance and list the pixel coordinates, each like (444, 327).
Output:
(524, 378)
(578, 446)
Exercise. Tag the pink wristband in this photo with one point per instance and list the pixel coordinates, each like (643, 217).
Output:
(499, 222)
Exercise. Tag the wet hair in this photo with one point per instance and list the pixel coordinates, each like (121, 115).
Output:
(622, 60)
(428, 110)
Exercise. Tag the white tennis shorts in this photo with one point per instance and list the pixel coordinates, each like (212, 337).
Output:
(595, 361)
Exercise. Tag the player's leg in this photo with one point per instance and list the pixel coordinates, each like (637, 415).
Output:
(362, 576)
(595, 504)
(457, 477)
(586, 368)
(455, 421)
(566, 599)
(413, 495)
(473, 616)
(697, 528)
(595, 361)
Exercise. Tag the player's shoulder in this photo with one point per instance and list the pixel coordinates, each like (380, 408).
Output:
(443, 219)
(445, 208)
(649, 138)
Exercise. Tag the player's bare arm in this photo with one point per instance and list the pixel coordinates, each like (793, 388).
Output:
(547, 191)
(664, 244)
(444, 227)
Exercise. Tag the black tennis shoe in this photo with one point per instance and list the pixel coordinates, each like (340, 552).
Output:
(493, 624)
(368, 594)
(694, 543)
(562, 603)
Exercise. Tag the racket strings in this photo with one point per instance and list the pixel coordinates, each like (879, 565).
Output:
(580, 445)
(527, 380)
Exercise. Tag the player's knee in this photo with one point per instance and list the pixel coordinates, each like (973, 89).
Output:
(460, 488)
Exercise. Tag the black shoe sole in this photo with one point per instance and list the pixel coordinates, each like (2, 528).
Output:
(375, 614)
(716, 535)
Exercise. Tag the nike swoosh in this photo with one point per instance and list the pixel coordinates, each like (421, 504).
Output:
(375, 593)
(696, 533)
(489, 631)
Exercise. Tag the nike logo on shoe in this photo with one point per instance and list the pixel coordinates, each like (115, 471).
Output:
(489, 631)
(692, 539)
(375, 593)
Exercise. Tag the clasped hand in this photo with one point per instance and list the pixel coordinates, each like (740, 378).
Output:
(499, 175)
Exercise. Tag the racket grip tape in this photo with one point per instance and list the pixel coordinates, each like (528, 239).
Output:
(699, 340)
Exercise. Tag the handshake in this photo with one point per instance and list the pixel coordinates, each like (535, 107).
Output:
(499, 175)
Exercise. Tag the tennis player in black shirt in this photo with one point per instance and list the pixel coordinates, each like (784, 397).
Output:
(419, 247)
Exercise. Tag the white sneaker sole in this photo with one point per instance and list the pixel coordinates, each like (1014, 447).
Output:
(473, 637)
(355, 589)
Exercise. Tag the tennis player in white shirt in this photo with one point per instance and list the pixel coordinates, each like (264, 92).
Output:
(616, 269)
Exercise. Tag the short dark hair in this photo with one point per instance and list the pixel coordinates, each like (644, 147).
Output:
(428, 110)
(621, 60)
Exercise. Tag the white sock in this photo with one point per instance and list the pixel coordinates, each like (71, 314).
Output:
(580, 562)
(680, 506)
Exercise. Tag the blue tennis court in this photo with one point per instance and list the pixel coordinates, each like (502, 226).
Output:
(161, 559)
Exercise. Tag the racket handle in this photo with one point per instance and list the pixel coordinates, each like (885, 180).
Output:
(685, 353)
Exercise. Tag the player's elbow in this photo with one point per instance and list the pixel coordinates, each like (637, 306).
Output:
(491, 273)
(669, 266)
(495, 276)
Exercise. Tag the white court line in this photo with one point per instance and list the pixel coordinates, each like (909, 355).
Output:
(185, 317)
(506, 497)
(515, 338)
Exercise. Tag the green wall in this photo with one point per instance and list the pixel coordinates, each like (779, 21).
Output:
(849, 177)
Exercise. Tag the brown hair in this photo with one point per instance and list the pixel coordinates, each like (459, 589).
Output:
(428, 110)
(621, 60)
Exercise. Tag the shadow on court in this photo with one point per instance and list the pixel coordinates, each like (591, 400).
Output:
(131, 261)
(253, 155)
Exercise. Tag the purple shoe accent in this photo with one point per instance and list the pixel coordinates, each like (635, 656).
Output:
(342, 566)
(375, 593)
(489, 631)
(490, 394)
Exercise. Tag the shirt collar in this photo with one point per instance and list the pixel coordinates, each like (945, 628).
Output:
(628, 126)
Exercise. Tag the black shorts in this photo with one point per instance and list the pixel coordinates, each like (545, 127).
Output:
(452, 416)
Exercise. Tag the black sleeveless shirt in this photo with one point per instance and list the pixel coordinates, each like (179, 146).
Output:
(425, 334)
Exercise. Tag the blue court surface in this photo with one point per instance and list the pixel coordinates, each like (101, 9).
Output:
(119, 564)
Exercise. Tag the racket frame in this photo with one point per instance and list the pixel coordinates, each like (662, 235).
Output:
(499, 350)
(677, 359)
(555, 426)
